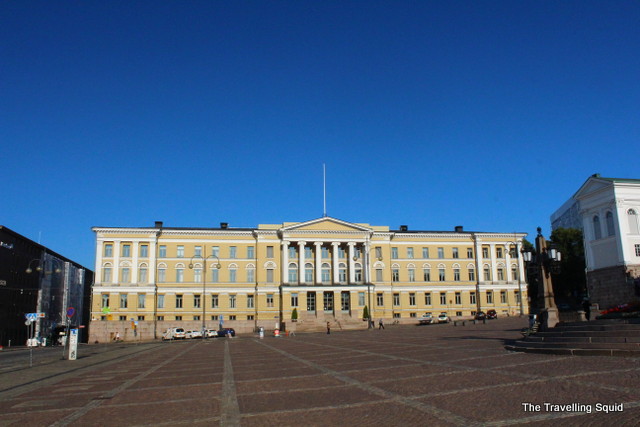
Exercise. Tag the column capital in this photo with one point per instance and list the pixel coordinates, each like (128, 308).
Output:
(351, 244)
(285, 243)
(317, 244)
(302, 243)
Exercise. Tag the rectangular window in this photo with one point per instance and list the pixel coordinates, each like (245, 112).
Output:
(409, 253)
(489, 297)
(232, 301)
(472, 275)
(485, 252)
(487, 274)
(105, 301)
(269, 300)
(106, 274)
(178, 318)
(308, 252)
(499, 252)
(440, 253)
(232, 275)
(378, 275)
(412, 275)
(251, 275)
(503, 297)
(637, 250)
(141, 300)
(517, 294)
(501, 274)
(412, 298)
(142, 275)
(378, 252)
(178, 301)
(197, 252)
(292, 252)
(294, 300)
(427, 298)
(456, 274)
(196, 301)
(160, 301)
(126, 251)
(341, 253)
(425, 253)
(162, 275)
(125, 274)
(426, 274)
(160, 318)
(162, 251)
(394, 253)
(380, 299)
(250, 317)
(458, 297)
(443, 298)
(270, 275)
(361, 299)
(179, 275)
(455, 253)
(269, 251)
(396, 300)
(215, 275)
(469, 253)
(232, 317)
(325, 252)
(197, 275)
(214, 301)
(180, 251)
(250, 303)
(311, 301)
(122, 318)
(144, 251)
(395, 275)
(123, 300)
(215, 251)
(233, 252)
(108, 250)
(472, 297)
(196, 317)
(140, 317)
(251, 252)
(441, 274)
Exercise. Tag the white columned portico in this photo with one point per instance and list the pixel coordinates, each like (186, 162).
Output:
(134, 261)
(352, 264)
(479, 265)
(116, 262)
(301, 262)
(285, 261)
(507, 260)
(318, 263)
(494, 263)
(335, 270)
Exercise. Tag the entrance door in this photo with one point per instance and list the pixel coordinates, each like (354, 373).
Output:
(311, 301)
(345, 301)
(328, 301)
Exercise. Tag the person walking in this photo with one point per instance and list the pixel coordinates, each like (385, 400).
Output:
(380, 324)
(586, 306)
(328, 328)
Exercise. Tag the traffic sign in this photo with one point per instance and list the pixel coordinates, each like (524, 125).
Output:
(31, 316)
(71, 311)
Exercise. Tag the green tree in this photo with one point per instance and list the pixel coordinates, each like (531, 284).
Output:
(570, 284)
(294, 314)
(365, 313)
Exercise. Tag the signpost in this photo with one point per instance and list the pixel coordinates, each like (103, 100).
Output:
(73, 344)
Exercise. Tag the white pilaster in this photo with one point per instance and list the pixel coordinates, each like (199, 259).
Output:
(134, 261)
(301, 262)
(116, 262)
(352, 266)
(335, 261)
(318, 266)
(98, 271)
(494, 266)
(285, 262)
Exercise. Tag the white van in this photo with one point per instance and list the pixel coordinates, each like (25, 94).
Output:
(173, 334)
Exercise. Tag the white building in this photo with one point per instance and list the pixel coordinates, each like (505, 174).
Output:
(608, 209)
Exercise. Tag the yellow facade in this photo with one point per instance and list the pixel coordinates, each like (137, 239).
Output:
(326, 269)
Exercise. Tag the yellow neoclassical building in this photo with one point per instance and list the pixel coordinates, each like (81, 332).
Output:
(148, 279)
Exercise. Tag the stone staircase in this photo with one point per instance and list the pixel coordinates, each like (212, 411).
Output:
(310, 322)
(612, 337)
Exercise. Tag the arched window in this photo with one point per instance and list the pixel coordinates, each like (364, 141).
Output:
(632, 216)
(293, 273)
(597, 233)
(326, 273)
(610, 228)
(308, 273)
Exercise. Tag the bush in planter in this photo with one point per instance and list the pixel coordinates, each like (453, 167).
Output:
(294, 315)
(365, 313)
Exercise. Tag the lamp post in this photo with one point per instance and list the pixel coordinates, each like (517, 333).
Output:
(517, 256)
(366, 278)
(217, 265)
(540, 264)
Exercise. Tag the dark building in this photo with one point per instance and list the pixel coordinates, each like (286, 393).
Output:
(35, 279)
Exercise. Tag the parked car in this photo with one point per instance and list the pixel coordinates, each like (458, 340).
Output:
(480, 315)
(443, 318)
(196, 334)
(211, 333)
(426, 319)
(173, 334)
(226, 332)
(188, 334)
(491, 314)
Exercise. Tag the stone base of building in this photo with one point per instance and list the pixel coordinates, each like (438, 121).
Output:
(613, 286)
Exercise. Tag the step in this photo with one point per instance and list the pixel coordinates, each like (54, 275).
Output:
(576, 334)
(583, 345)
(576, 351)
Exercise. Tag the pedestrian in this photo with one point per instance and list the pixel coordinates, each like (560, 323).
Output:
(380, 324)
(117, 337)
(328, 328)
(586, 306)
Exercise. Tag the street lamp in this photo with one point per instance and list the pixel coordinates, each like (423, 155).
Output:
(540, 265)
(365, 272)
(515, 253)
(218, 266)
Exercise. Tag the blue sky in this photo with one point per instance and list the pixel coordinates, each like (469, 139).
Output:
(486, 114)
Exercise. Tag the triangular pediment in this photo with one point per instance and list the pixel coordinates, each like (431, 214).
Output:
(325, 224)
(592, 185)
